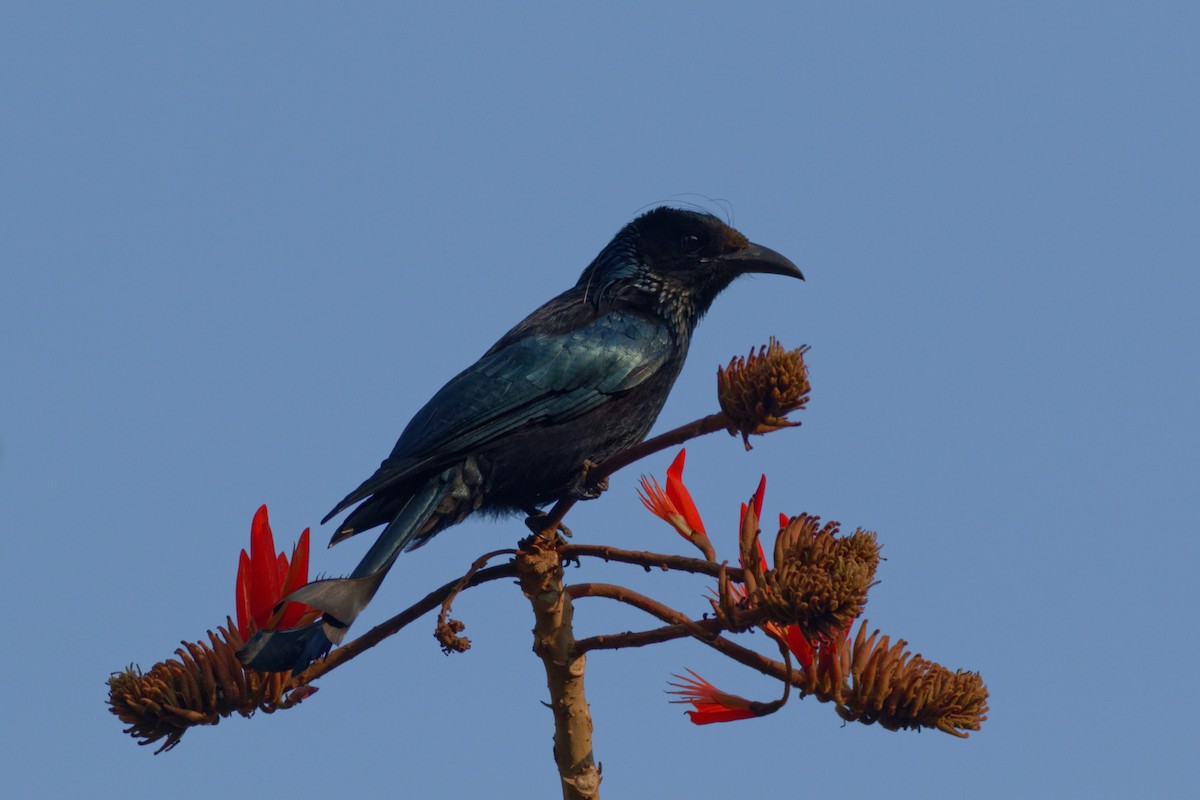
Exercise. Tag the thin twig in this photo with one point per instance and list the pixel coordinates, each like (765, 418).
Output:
(448, 629)
(667, 633)
(409, 615)
(742, 655)
(649, 560)
(640, 601)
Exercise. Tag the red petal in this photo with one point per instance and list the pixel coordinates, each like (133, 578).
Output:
(709, 715)
(800, 647)
(297, 576)
(680, 496)
(758, 496)
(676, 468)
(758, 502)
(741, 522)
(242, 596)
(264, 569)
(783, 520)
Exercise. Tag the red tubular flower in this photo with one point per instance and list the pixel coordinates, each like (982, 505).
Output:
(759, 493)
(265, 577)
(711, 704)
(675, 505)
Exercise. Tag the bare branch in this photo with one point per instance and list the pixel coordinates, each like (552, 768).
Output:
(699, 629)
(649, 560)
(406, 617)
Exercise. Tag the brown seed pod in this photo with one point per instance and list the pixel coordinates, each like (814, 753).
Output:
(757, 392)
(205, 683)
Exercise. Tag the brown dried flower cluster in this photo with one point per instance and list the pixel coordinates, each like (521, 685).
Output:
(872, 680)
(206, 683)
(820, 580)
(758, 391)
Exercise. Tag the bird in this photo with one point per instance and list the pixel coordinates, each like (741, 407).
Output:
(578, 380)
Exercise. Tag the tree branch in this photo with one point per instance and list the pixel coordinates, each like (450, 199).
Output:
(650, 560)
(539, 567)
(667, 633)
(700, 427)
(406, 617)
(705, 631)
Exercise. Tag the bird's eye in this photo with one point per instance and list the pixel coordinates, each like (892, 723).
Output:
(690, 243)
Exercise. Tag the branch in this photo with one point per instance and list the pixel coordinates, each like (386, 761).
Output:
(640, 601)
(667, 633)
(649, 560)
(700, 427)
(705, 630)
(406, 617)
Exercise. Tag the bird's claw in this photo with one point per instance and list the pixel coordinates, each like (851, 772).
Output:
(536, 522)
(583, 489)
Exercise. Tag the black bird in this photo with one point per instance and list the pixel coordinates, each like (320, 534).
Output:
(575, 382)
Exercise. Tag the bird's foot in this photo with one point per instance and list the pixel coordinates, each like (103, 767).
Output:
(583, 489)
(536, 522)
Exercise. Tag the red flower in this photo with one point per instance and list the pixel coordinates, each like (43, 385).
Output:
(675, 505)
(758, 504)
(264, 578)
(711, 704)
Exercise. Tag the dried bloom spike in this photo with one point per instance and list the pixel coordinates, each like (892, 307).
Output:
(899, 690)
(820, 580)
(758, 391)
(205, 683)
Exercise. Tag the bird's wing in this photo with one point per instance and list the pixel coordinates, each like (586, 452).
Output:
(538, 379)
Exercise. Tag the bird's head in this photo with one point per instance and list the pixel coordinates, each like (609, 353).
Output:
(679, 261)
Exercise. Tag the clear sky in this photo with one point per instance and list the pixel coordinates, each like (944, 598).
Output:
(242, 243)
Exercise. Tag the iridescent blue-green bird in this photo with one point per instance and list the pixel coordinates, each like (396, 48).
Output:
(575, 382)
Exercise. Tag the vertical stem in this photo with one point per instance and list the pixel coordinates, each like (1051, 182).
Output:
(540, 571)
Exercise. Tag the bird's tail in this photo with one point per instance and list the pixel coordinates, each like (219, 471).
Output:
(444, 500)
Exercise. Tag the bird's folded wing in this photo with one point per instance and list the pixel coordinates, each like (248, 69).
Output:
(536, 380)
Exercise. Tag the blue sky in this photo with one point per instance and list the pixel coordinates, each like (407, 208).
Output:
(241, 245)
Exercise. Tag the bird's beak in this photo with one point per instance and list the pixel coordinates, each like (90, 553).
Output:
(756, 258)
